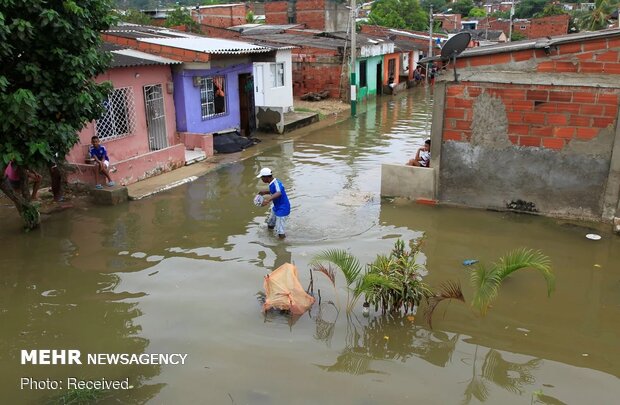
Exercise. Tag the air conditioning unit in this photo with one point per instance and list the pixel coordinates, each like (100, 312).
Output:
(197, 80)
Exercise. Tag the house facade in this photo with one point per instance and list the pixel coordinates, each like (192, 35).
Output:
(214, 87)
(532, 125)
(138, 126)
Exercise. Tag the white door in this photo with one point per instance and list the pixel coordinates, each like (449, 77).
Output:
(259, 85)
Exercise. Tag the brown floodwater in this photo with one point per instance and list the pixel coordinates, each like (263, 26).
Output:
(180, 272)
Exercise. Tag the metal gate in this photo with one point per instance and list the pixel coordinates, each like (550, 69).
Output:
(155, 117)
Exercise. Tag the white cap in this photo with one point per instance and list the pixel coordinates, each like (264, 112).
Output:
(265, 171)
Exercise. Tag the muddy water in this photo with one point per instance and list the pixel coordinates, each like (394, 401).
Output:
(179, 273)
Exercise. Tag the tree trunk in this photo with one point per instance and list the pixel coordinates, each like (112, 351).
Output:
(28, 211)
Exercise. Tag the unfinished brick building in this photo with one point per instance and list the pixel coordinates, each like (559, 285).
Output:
(532, 121)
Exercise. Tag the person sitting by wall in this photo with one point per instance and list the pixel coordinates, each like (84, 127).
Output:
(99, 154)
(423, 156)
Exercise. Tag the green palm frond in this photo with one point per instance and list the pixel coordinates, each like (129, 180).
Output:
(486, 284)
(527, 258)
(486, 281)
(348, 264)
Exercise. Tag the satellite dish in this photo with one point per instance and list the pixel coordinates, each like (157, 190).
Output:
(453, 47)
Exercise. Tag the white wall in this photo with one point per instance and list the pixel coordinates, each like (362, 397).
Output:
(276, 96)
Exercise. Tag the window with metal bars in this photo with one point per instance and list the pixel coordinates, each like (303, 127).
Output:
(119, 117)
(212, 96)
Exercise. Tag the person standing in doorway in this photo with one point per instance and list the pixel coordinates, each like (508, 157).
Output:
(281, 207)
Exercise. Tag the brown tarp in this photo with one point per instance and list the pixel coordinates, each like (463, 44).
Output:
(284, 291)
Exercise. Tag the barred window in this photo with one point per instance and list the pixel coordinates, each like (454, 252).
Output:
(212, 96)
(119, 116)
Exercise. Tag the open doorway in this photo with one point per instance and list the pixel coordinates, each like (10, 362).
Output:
(247, 108)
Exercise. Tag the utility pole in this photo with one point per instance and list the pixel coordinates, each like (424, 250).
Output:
(512, 12)
(353, 51)
(430, 44)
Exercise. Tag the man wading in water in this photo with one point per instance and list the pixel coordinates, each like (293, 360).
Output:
(281, 207)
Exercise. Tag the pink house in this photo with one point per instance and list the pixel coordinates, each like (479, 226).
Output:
(138, 128)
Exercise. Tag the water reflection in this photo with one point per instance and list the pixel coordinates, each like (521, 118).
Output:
(389, 337)
(47, 310)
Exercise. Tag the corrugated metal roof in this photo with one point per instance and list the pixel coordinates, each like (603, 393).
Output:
(125, 57)
(256, 29)
(131, 57)
(208, 45)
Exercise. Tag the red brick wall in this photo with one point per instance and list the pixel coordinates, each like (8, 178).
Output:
(593, 56)
(545, 116)
(224, 16)
(166, 51)
(276, 12)
(316, 70)
(541, 116)
(216, 32)
(548, 26)
(311, 13)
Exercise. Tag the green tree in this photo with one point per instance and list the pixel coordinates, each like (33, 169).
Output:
(549, 10)
(462, 7)
(50, 55)
(438, 5)
(517, 36)
(528, 8)
(477, 12)
(597, 18)
(134, 16)
(406, 14)
(182, 16)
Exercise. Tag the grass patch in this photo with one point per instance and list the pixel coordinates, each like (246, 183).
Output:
(79, 397)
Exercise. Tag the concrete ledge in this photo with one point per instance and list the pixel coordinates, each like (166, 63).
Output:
(110, 196)
(416, 183)
(202, 141)
(133, 169)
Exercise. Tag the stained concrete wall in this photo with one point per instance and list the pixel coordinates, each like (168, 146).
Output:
(407, 181)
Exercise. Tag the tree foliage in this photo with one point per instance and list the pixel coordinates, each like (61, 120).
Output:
(462, 7)
(477, 12)
(528, 8)
(182, 16)
(549, 10)
(134, 16)
(50, 55)
(406, 14)
(598, 17)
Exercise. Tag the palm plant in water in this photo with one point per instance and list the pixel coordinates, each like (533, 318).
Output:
(487, 280)
(392, 283)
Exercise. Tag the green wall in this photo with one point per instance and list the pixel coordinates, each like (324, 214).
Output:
(371, 76)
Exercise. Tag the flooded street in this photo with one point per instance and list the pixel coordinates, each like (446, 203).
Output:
(180, 272)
